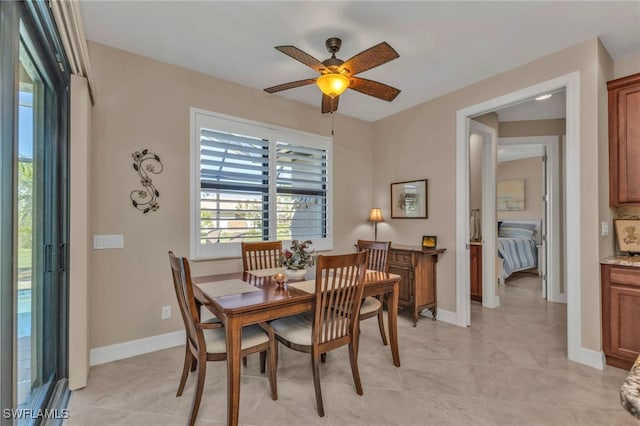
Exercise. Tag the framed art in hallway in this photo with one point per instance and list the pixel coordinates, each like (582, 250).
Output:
(510, 195)
(409, 199)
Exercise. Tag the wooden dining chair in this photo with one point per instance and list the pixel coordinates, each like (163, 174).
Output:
(378, 261)
(206, 341)
(334, 320)
(261, 255)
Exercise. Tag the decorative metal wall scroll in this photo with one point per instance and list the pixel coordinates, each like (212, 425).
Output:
(146, 199)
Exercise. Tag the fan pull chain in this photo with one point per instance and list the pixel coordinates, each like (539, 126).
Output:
(332, 133)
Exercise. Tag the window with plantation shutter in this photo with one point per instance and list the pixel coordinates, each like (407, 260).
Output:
(255, 182)
(301, 188)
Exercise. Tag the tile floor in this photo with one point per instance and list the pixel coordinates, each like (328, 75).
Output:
(508, 368)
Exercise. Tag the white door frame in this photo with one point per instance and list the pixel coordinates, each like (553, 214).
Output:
(487, 215)
(552, 243)
(573, 239)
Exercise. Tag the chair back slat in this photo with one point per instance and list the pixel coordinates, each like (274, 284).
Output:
(186, 300)
(261, 255)
(378, 254)
(339, 286)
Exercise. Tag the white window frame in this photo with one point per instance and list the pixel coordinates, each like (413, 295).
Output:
(199, 117)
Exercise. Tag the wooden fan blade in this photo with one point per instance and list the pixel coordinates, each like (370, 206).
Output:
(374, 88)
(370, 58)
(328, 104)
(290, 85)
(303, 57)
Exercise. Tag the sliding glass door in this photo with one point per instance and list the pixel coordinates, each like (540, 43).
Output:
(33, 294)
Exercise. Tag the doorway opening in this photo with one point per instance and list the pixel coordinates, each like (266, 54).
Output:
(570, 198)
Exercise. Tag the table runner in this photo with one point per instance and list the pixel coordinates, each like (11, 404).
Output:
(227, 288)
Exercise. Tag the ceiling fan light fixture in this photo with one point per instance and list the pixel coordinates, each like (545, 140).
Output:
(332, 84)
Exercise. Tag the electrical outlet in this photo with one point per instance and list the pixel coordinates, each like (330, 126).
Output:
(166, 312)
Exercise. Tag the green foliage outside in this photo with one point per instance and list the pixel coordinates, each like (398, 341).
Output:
(24, 258)
(247, 211)
(25, 213)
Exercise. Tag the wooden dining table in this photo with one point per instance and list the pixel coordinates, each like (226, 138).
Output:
(273, 301)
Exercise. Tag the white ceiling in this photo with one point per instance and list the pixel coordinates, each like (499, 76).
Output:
(554, 107)
(443, 46)
(519, 152)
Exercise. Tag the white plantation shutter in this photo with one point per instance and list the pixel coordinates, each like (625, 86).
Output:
(301, 187)
(234, 187)
(254, 182)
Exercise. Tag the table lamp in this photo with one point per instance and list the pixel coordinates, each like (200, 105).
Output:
(375, 216)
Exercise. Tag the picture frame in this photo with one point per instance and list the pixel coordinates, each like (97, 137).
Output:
(628, 235)
(409, 199)
(429, 242)
(510, 195)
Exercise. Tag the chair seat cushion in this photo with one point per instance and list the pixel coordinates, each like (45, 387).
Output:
(295, 329)
(252, 335)
(370, 304)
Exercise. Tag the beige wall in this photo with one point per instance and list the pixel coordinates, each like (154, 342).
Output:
(529, 169)
(490, 119)
(512, 129)
(605, 64)
(626, 66)
(145, 104)
(475, 172)
(79, 181)
(424, 146)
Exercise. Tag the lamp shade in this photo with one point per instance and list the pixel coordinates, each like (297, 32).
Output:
(375, 215)
(332, 84)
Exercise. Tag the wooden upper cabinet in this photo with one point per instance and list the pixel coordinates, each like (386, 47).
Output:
(624, 140)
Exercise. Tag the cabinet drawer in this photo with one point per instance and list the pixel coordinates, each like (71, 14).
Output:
(401, 257)
(627, 276)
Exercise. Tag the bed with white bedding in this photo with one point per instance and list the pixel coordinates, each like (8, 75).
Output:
(517, 245)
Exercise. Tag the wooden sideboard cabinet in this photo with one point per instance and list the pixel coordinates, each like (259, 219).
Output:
(624, 140)
(417, 268)
(476, 271)
(620, 314)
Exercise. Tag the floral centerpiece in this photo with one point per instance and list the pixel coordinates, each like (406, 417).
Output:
(298, 257)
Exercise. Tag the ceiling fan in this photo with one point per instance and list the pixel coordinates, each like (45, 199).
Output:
(337, 75)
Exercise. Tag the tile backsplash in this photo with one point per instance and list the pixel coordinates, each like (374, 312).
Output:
(627, 212)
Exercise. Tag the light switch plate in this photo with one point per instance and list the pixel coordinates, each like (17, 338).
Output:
(102, 242)
(605, 228)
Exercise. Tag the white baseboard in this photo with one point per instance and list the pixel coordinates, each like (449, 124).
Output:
(131, 348)
(495, 304)
(589, 357)
(442, 315)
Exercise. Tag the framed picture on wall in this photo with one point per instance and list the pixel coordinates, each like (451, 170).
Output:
(409, 199)
(510, 195)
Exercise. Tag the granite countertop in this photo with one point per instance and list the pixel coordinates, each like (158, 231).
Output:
(630, 390)
(622, 261)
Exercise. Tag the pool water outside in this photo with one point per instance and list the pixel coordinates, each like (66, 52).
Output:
(24, 313)
(24, 345)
